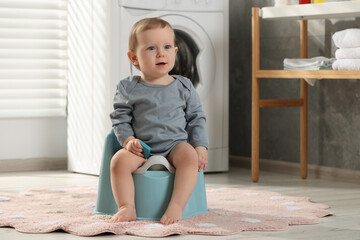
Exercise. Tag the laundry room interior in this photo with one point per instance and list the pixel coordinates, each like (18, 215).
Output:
(58, 80)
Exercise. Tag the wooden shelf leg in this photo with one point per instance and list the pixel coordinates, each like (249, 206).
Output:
(304, 108)
(255, 96)
(255, 133)
(303, 132)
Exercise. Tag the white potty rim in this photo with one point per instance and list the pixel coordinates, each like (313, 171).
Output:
(155, 162)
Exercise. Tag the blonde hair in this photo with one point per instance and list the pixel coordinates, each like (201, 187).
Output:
(143, 25)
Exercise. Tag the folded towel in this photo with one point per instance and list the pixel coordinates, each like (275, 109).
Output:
(301, 63)
(347, 53)
(347, 38)
(309, 68)
(346, 64)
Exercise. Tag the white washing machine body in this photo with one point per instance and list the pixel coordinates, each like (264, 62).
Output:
(207, 26)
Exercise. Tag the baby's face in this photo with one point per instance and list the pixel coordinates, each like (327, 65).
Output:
(156, 52)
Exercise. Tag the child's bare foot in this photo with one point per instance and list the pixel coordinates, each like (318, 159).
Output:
(126, 213)
(173, 214)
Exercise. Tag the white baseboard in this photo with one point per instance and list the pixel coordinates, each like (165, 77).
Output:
(314, 171)
(40, 164)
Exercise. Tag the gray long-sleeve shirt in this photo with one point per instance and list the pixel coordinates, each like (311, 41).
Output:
(159, 115)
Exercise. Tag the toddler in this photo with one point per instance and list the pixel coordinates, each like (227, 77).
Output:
(162, 110)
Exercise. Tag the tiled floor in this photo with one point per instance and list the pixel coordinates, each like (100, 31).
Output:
(344, 199)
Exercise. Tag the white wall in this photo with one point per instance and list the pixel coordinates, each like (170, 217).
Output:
(33, 138)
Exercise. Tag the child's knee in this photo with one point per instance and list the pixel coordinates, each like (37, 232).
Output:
(189, 156)
(124, 161)
(115, 164)
(118, 162)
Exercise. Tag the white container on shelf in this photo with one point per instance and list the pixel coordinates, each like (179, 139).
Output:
(285, 2)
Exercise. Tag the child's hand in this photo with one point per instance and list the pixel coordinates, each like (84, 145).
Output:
(202, 156)
(133, 145)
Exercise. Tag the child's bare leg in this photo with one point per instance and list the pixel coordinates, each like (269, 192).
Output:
(185, 160)
(123, 164)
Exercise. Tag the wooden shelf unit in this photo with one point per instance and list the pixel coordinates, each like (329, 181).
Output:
(302, 12)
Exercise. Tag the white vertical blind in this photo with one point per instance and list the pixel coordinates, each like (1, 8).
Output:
(89, 98)
(33, 58)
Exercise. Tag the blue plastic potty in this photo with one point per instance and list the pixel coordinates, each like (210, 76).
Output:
(153, 182)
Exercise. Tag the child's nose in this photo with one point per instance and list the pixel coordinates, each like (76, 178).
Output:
(160, 52)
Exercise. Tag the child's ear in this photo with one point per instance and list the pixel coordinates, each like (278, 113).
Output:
(133, 58)
(176, 49)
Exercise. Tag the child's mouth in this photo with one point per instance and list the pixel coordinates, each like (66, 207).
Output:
(161, 64)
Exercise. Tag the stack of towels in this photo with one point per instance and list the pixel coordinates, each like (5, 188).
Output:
(315, 63)
(348, 54)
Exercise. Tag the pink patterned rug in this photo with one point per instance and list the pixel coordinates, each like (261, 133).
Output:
(232, 210)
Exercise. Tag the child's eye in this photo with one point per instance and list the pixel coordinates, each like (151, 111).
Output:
(167, 46)
(151, 48)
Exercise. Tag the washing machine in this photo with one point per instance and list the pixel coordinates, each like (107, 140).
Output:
(201, 30)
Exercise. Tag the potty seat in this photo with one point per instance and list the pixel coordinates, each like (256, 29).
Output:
(153, 182)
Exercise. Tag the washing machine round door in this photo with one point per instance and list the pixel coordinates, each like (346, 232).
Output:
(196, 55)
(185, 59)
